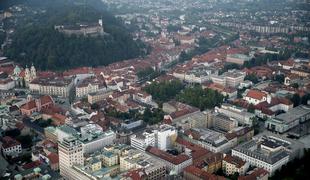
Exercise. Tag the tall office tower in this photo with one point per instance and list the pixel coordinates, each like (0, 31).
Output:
(70, 154)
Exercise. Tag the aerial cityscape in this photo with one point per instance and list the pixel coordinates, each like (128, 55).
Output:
(154, 89)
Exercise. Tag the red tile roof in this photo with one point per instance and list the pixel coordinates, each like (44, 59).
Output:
(255, 94)
(238, 162)
(137, 174)
(8, 142)
(183, 112)
(202, 174)
(168, 157)
(257, 173)
(32, 104)
(197, 151)
(53, 158)
(32, 165)
(29, 105)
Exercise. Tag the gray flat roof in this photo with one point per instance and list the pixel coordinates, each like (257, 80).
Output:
(294, 114)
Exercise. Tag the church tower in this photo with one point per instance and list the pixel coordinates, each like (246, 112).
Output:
(27, 74)
(33, 72)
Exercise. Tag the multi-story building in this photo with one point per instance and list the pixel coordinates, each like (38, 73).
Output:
(142, 140)
(70, 152)
(6, 84)
(162, 137)
(240, 114)
(232, 78)
(109, 159)
(90, 85)
(135, 159)
(57, 86)
(255, 97)
(174, 163)
(50, 134)
(91, 138)
(267, 152)
(165, 137)
(195, 173)
(223, 122)
(257, 174)
(95, 141)
(211, 140)
(237, 58)
(198, 74)
(98, 96)
(292, 118)
(10, 146)
(144, 98)
(232, 165)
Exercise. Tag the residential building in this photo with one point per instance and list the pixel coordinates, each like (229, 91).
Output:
(257, 174)
(232, 165)
(223, 122)
(142, 140)
(237, 58)
(165, 137)
(10, 146)
(174, 163)
(232, 78)
(50, 134)
(144, 98)
(53, 161)
(240, 114)
(273, 105)
(6, 84)
(194, 173)
(135, 159)
(98, 96)
(198, 74)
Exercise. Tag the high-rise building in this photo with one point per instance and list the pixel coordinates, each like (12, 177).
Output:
(70, 152)
(165, 136)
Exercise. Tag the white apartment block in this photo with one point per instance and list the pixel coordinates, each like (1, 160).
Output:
(10, 146)
(232, 78)
(143, 140)
(165, 135)
(70, 152)
(84, 90)
(240, 114)
(93, 142)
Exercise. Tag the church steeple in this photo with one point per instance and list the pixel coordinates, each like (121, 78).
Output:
(33, 72)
